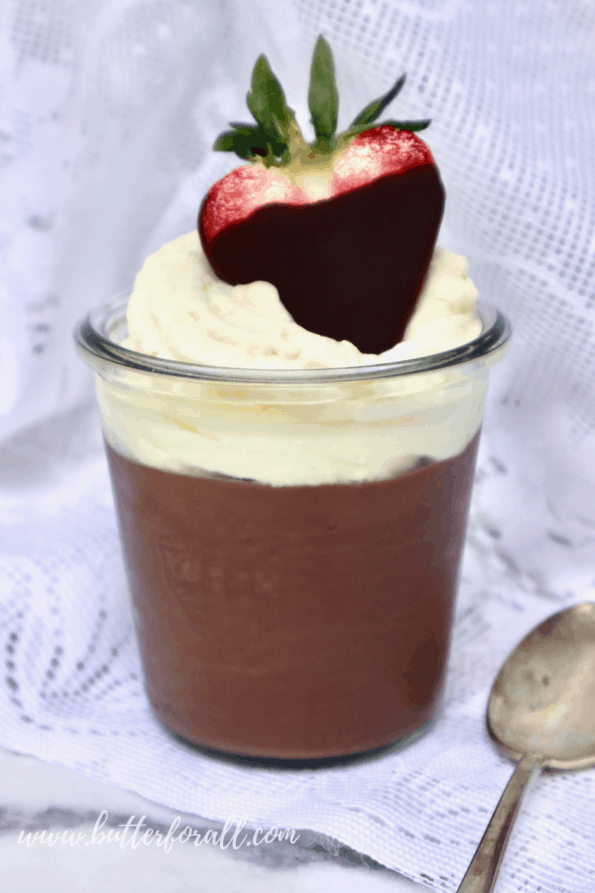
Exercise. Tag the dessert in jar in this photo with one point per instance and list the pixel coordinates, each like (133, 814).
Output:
(291, 401)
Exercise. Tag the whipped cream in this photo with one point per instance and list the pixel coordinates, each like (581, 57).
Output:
(180, 310)
(286, 434)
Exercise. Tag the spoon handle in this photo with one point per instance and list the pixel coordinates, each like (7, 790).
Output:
(483, 870)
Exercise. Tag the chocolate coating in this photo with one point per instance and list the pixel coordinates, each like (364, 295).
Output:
(350, 267)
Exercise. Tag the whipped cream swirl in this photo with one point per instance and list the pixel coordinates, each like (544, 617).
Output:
(285, 435)
(180, 310)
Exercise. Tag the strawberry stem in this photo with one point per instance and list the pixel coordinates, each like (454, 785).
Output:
(276, 138)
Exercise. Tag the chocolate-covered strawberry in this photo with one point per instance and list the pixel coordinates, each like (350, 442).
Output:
(344, 227)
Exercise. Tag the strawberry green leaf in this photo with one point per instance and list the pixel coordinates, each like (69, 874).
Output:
(371, 112)
(248, 141)
(323, 97)
(407, 125)
(242, 128)
(398, 125)
(257, 136)
(266, 101)
(230, 141)
(245, 145)
(225, 142)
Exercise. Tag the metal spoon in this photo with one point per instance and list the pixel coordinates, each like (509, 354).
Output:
(541, 714)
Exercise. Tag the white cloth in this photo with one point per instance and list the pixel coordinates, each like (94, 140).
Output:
(108, 114)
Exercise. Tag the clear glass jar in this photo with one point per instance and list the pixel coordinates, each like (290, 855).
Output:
(292, 539)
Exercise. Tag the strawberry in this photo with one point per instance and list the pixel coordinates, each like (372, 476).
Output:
(344, 227)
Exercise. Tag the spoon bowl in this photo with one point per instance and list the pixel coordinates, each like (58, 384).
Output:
(543, 699)
(541, 714)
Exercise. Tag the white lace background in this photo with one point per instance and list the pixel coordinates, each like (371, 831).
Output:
(108, 112)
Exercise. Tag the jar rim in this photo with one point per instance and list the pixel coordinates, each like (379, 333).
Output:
(93, 338)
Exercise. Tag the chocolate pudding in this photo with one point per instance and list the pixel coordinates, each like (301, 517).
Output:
(294, 622)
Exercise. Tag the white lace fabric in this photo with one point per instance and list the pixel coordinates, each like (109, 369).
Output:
(108, 112)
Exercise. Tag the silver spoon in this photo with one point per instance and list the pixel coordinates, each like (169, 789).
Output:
(541, 714)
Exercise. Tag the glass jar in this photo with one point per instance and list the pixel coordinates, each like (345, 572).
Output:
(292, 539)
